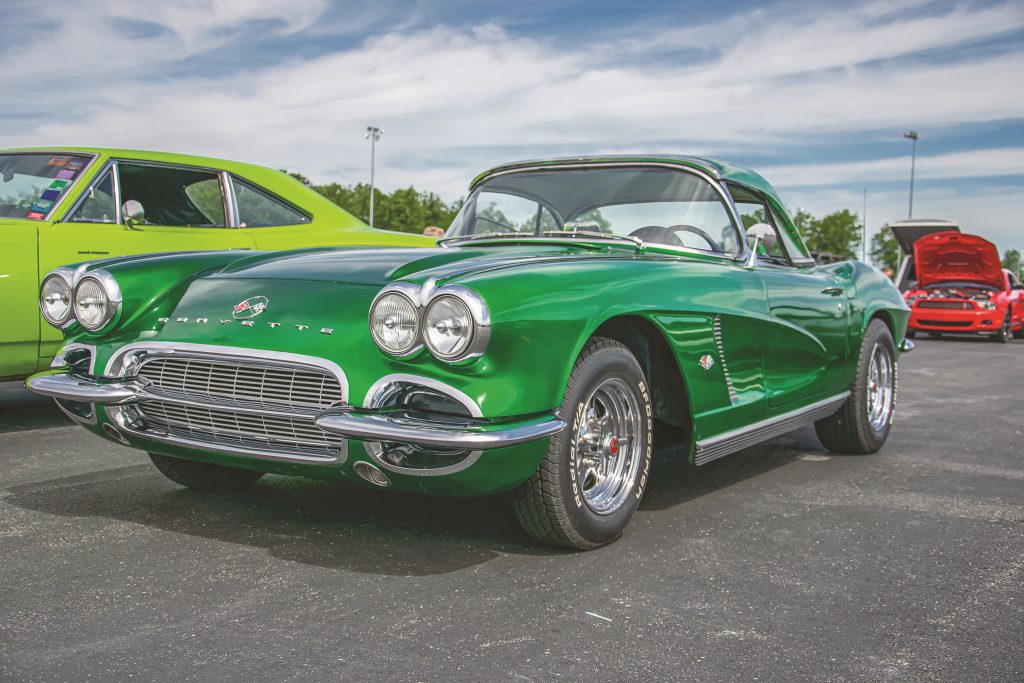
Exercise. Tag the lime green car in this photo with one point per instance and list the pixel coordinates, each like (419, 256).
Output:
(75, 205)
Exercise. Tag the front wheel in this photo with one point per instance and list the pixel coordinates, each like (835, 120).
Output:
(592, 478)
(1003, 335)
(862, 424)
(203, 476)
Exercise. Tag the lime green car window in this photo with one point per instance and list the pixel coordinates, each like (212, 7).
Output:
(98, 206)
(257, 209)
(169, 194)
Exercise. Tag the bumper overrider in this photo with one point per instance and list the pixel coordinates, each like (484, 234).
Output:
(378, 429)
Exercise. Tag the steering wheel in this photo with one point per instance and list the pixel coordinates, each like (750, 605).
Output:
(663, 235)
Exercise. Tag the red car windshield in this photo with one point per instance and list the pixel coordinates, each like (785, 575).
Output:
(31, 184)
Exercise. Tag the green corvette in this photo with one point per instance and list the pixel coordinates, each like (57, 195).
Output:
(66, 205)
(575, 308)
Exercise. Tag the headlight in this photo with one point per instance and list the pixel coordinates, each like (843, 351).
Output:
(448, 327)
(988, 305)
(97, 300)
(395, 323)
(55, 297)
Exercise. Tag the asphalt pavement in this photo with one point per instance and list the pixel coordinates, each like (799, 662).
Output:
(781, 562)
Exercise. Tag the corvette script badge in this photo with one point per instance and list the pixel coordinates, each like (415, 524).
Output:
(706, 361)
(250, 308)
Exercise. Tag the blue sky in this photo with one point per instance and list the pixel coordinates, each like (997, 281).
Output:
(816, 96)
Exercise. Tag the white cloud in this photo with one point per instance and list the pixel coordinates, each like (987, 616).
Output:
(454, 101)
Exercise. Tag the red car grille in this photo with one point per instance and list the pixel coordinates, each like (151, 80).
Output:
(946, 323)
(955, 305)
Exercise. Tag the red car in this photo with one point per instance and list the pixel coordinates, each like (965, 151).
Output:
(956, 283)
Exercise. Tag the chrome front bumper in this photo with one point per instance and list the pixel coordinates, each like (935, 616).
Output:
(354, 423)
(368, 425)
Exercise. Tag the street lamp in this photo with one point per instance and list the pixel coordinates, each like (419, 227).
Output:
(373, 134)
(912, 136)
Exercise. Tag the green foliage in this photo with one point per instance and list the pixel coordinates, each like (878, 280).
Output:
(837, 233)
(1013, 261)
(404, 210)
(885, 250)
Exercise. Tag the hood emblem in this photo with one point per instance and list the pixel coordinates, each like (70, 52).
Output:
(706, 361)
(250, 308)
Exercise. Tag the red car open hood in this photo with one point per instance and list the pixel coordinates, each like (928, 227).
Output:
(954, 257)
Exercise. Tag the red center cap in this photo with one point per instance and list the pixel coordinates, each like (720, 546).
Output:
(613, 446)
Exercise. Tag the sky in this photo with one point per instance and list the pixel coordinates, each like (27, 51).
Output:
(814, 96)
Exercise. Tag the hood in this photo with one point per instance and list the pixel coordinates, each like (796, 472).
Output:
(378, 267)
(954, 257)
(909, 231)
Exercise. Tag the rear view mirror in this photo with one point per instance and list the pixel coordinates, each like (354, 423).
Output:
(133, 214)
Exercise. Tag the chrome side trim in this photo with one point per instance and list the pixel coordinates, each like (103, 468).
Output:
(717, 329)
(717, 446)
(227, 193)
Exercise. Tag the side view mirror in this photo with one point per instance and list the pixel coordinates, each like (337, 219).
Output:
(133, 214)
(759, 233)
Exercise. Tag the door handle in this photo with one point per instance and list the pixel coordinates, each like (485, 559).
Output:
(833, 290)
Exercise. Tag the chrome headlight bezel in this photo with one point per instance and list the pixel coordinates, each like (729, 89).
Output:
(422, 298)
(411, 294)
(65, 275)
(111, 290)
(480, 317)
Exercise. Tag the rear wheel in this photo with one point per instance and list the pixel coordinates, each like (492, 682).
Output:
(592, 478)
(203, 476)
(1003, 335)
(911, 334)
(862, 424)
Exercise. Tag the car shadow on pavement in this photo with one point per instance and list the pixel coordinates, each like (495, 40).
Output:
(20, 409)
(341, 526)
(334, 526)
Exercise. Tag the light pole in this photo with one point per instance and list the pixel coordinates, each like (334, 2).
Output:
(373, 134)
(864, 231)
(912, 136)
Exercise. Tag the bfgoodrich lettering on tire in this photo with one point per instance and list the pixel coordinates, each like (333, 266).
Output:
(593, 476)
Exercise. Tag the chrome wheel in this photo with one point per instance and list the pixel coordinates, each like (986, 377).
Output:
(608, 446)
(881, 387)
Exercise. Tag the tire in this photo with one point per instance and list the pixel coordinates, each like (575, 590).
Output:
(935, 335)
(568, 502)
(203, 476)
(1019, 333)
(1003, 335)
(911, 334)
(851, 428)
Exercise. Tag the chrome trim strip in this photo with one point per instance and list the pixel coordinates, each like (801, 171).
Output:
(380, 427)
(717, 329)
(715, 447)
(116, 179)
(230, 202)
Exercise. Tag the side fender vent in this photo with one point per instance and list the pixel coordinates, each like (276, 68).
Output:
(717, 327)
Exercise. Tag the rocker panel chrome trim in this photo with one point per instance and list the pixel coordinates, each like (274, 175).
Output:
(718, 446)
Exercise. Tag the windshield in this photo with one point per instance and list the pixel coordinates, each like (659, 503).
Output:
(31, 184)
(657, 205)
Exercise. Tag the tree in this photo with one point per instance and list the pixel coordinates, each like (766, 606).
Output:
(885, 250)
(837, 233)
(1014, 262)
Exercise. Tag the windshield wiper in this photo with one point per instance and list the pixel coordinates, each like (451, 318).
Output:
(639, 243)
(602, 235)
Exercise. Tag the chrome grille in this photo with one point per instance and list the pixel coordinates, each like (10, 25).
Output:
(272, 385)
(244, 404)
